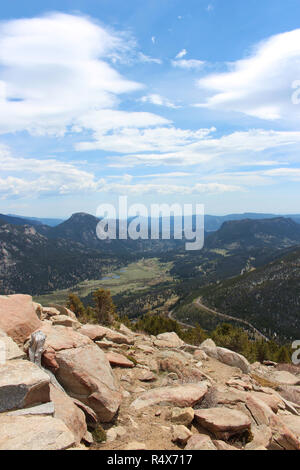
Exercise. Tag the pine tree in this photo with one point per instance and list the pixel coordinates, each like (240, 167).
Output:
(104, 307)
(283, 355)
(74, 303)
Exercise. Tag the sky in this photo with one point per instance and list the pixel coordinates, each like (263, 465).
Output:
(164, 101)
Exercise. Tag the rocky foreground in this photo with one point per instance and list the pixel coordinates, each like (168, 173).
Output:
(145, 392)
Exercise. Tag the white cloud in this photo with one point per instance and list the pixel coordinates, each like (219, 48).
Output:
(188, 64)
(153, 39)
(160, 139)
(30, 177)
(54, 69)
(106, 120)
(259, 85)
(147, 59)
(212, 188)
(158, 100)
(33, 177)
(177, 147)
(181, 54)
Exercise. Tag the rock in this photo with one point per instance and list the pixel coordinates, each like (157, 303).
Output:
(284, 377)
(18, 317)
(183, 416)
(200, 355)
(97, 332)
(85, 374)
(69, 413)
(221, 445)
(208, 343)
(90, 415)
(146, 376)
(200, 442)
(290, 393)
(180, 434)
(64, 311)
(46, 409)
(88, 438)
(118, 360)
(145, 348)
(259, 410)
(292, 423)
(126, 331)
(94, 332)
(49, 312)
(261, 437)
(104, 344)
(269, 363)
(38, 309)
(11, 349)
(223, 422)
(49, 359)
(22, 384)
(34, 433)
(179, 395)
(239, 384)
(135, 445)
(168, 340)
(227, 357)
(64, 320)
(114, 433)
(282, 437)
(60, 338)
(271, 399)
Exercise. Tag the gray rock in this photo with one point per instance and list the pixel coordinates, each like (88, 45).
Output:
(22, 384)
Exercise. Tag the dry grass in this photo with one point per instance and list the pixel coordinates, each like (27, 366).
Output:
(265, 382)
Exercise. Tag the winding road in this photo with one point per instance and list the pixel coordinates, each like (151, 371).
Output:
(199, 304)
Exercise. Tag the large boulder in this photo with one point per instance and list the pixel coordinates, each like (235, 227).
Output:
(168, 340)
(65, 320)
(69, 413)
(59, 338)
(284, 377)
(97, 332)
(86, 375)
(22, 384)
(226, 356)
(223, 422)
(18, 317)
(180, 395)
(64, 311)
(34, 433)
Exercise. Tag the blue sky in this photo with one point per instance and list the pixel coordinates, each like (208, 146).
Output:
(163, 101)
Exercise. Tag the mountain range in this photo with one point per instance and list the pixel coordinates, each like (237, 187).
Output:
(268, 296)
(228, 249)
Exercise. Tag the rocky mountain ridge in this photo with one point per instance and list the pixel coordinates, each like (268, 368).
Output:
(147, 392)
